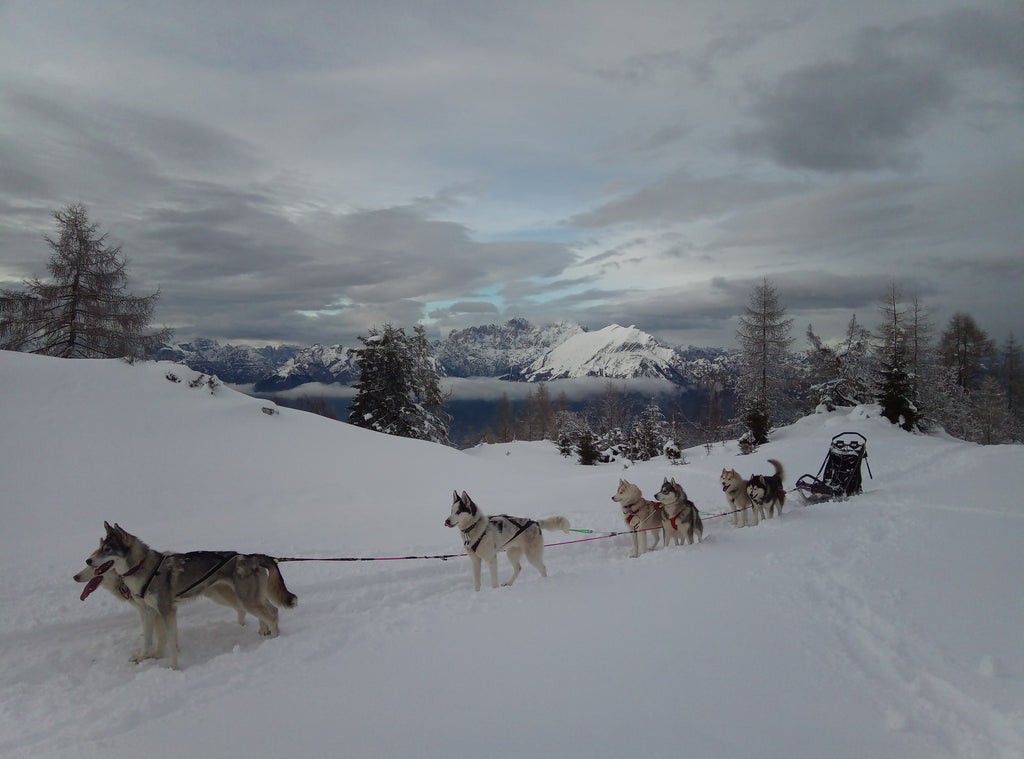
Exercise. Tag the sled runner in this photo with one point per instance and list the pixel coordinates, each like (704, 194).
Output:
(839, 476)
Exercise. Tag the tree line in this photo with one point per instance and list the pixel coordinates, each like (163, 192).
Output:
(958, 380)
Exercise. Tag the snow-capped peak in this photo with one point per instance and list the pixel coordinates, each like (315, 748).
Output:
(615, 351)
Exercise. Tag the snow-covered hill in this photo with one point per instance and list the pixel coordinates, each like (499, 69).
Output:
(887, 626)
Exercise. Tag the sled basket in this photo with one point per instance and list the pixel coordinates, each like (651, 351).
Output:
(839, 476)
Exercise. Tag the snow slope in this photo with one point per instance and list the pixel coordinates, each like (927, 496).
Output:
(887, 626)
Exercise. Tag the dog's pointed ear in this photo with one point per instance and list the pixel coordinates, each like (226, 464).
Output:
(106, 524)
(674, 482)
(465, 497)
(455, 496)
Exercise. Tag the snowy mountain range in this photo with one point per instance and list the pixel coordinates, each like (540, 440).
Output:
(326, 364)
(501, 350)
(236, 364)
(515, 350)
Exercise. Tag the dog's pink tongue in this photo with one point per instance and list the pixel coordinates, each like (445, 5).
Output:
(91, 586)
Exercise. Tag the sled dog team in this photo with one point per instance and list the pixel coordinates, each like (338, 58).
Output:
(156, 583)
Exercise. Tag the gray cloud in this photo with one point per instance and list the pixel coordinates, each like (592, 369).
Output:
(865, 111)
(679, 197)
(986, 36)
(310, 173)
(860, 114)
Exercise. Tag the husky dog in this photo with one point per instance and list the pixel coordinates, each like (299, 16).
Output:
(679, 515)
(735, 489)
(162, 581)
(485, 536)
(765, 490)
(106, 578)
(640, 516)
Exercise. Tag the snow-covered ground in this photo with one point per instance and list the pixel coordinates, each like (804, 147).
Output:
(887, 626)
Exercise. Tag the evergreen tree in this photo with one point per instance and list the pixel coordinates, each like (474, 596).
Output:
(648, 434)
(840, 375)
(894, 385)
(965, 348)
(427, 377)
(399, 391)
(586, 448)
(84, 312)
(612, 415)
(764, 344)
(570, 427)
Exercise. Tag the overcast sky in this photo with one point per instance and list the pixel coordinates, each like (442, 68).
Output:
(301, 171)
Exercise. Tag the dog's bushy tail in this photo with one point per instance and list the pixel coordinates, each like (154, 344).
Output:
(276, 588)
(554, 523)
(779, 471)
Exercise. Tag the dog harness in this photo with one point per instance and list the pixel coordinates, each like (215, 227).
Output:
(145, 585)
(468, 530)
(222, 558)
(635, 515)
(522, 526)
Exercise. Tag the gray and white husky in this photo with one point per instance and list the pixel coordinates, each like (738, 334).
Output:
(679, 516)
(105, 577)
(485, 536)
(735, 489)
(160, 582)
(765, 491)
(640, 515)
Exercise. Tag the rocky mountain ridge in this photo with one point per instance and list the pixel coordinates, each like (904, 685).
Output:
(515, 350)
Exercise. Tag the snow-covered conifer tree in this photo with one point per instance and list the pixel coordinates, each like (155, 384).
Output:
(840, 375)
(648, 434)
(398, 392)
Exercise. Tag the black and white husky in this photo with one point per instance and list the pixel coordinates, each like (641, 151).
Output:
(157, 583)
(679, 517)
(765, 491)
(485, 536)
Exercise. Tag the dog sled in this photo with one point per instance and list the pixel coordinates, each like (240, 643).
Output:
(839, 476)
